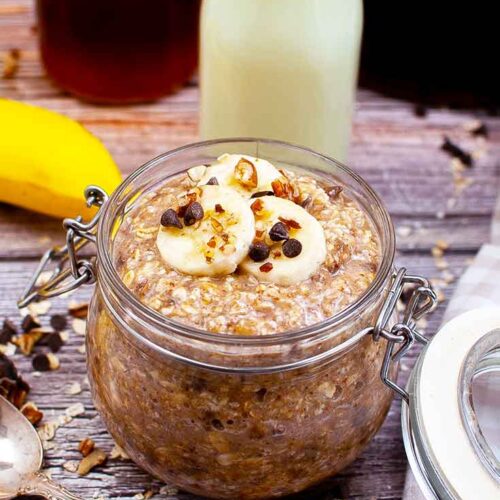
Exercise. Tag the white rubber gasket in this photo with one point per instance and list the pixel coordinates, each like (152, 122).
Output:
(438, 404)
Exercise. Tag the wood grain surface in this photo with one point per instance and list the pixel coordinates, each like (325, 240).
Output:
(397, 152)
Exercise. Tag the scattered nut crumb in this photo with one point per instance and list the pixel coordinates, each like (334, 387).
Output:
(97, 457)
(441, 297)
(168, 490)
(44, 277)
(441, 263)
(86, 446)
(78, 309)
(75, 410)
(31, 412)
(448, 277)
(47, 431)
(39, 308)
(437, 252)
(118, 453)
(71, 465)
(27, 341)
(8, 349)
(11, 63)
(79, 326)
(144, 496)
(74, 389)
(404, 231)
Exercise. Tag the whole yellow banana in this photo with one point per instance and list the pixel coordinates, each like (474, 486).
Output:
(47, 160)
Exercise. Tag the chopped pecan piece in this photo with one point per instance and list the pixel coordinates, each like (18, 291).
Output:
(27, 341)
(265, 268)
(246, 173)
(257, 206)
(292, 224)
(86, 446)
(78, 309)
(31, 412)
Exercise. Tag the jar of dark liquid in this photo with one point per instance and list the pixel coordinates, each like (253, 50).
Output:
(119, 50)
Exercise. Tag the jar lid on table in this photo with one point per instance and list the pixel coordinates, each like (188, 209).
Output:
(451, 424)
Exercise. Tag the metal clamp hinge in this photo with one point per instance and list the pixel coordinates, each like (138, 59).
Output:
(401, 337)
(68, 271)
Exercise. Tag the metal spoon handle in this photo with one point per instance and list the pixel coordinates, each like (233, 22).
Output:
(40, 484)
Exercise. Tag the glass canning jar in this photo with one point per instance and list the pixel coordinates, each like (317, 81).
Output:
(239, 416)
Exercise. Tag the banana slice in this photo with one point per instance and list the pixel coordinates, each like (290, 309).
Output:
(244, 173)
(290, 244)
(211, 241)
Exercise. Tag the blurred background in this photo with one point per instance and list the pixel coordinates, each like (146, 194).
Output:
(420, 124)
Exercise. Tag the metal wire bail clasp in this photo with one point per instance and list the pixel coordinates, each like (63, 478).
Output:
(67, 270)
(402, 335)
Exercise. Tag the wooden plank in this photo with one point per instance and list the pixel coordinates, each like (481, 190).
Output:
(378, 473)
(397, 152)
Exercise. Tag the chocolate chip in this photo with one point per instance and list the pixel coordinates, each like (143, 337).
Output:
(41, 363)
(278, 232)
(169, 218)
(194, 212)
(44, 362)
(8, 331)
(29, 323)
(219, 209)
(217, 424)
(213, 181)
(262, 193)
(259, 251)
(7, 368)
(52, 340)
(457, 152)
(58, 322)
(480, 131)
(292, 248)
(261, 393)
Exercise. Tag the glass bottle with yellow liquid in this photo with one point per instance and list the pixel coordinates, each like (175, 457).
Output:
(281, 69)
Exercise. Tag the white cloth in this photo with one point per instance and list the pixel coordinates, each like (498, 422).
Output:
(479, 286)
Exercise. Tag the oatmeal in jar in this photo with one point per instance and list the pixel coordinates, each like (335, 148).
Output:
(204, 380)
(242, 247)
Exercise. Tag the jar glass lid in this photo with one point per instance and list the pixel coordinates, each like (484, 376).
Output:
(451, 427)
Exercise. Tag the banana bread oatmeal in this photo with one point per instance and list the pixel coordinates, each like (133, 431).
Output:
(234, 270)
(245, 251)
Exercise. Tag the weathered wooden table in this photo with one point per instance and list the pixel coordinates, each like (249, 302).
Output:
(397, 152)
